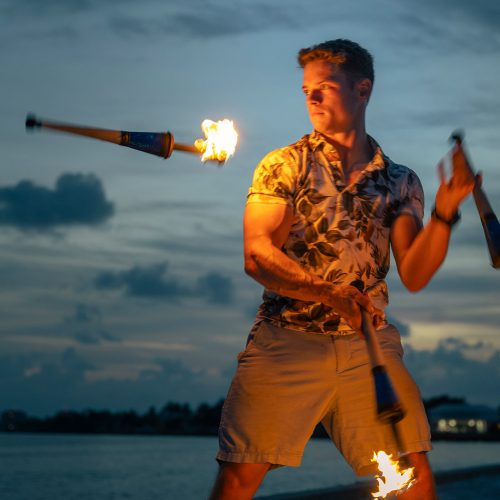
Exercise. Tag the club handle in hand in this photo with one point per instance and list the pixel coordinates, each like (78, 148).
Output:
(389, 408)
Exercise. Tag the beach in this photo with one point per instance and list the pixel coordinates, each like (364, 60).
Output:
(458, 484)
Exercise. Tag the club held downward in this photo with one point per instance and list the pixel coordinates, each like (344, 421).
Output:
(389, 408)
(489, 220)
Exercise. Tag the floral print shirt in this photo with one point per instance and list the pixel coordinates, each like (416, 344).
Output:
(339, 232)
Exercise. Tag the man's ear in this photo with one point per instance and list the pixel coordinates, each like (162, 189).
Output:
(364, 87)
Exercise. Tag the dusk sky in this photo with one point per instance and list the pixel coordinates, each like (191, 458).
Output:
(122, 282)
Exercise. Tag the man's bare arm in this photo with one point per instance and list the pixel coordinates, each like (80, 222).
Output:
(266, 227)
(419, 252)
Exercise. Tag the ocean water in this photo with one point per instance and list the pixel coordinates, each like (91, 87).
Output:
(95, 467)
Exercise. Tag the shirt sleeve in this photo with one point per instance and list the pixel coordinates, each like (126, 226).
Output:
(412, 200)
(274, 180)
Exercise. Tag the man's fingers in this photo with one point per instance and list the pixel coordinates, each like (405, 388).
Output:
(355, 301)
(441, 172)
(365, 302)
(460, 166)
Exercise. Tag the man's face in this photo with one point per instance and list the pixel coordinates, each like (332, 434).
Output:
(334, 104)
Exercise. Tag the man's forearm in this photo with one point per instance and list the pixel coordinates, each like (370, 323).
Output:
(279, 273)
(425, 255)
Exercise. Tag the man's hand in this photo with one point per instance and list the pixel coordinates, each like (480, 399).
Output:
(451, 193)
(347, 300)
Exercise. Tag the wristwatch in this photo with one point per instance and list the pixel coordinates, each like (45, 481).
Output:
(450, 222)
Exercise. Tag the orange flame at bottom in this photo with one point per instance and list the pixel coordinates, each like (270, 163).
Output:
(391, 479)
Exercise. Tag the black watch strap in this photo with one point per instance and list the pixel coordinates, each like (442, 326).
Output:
(450, 222)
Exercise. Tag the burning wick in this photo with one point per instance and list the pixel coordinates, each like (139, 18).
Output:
(220, 143)
(391, 478)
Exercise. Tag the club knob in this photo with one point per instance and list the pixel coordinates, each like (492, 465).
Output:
(32, 122)
(457, 136)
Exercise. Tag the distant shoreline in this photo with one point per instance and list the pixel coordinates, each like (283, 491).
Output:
(460, 421)
(435, 438)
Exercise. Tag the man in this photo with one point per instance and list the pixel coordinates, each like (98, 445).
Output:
(320, 217)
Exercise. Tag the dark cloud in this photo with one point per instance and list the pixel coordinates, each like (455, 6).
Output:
(484, 13)
(155, 281)
(478, 111)
(445, 28)
(44, 387)
(47, 7)
(465, 283)
(77, 199)
(85, 325)
(72, 365)
(453, 343)
(214, 244)
(142, 281)
(472, 235)
(450, 369)
(210, 20)
(403, 328)
(216, 288)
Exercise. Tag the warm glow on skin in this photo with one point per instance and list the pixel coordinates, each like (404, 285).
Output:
(335, 104)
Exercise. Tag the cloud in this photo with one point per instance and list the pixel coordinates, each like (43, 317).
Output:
(448, 26)
(403, 328)
(142, 281)
(216, 288)
(465, 283)
(483, 13)
(77, 199)
(155, 281)
(209, 20)
(85, 325)
(478, 111)
(452, 369)
(42, 387)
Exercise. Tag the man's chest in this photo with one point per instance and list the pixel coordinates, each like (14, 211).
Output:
(328, 200)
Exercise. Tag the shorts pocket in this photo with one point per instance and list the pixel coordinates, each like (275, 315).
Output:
(357, 352)
(251, 345)
(390, 340)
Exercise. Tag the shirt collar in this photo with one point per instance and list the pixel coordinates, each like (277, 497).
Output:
(380, 160)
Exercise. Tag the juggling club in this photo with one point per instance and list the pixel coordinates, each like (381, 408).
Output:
(489, 220)
(389, 408)
(156, 143)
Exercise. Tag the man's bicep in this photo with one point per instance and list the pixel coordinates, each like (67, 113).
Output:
(404, 230)
(267, 222)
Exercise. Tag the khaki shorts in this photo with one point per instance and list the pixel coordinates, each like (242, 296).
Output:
(288, 381)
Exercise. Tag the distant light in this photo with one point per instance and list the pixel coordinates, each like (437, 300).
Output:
(452, 422)
(442, 425)
(471, 423)
(481, 426)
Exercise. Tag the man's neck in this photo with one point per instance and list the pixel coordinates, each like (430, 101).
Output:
(354, 149)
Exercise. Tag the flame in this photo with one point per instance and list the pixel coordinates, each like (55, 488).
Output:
(391, 479)
(221, 140)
